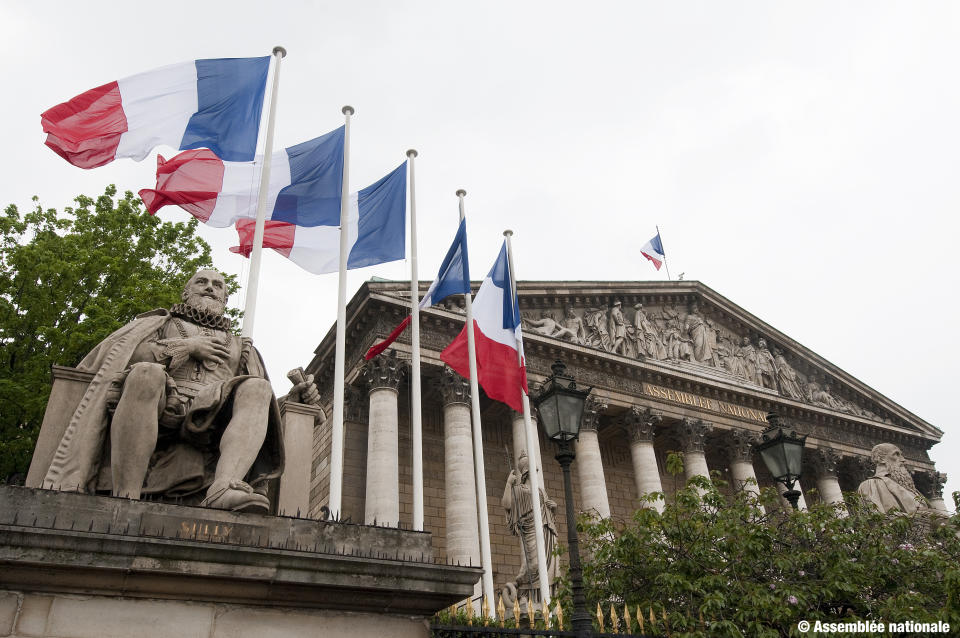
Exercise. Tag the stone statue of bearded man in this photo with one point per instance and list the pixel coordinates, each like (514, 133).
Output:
(179, 407)
(891, 486)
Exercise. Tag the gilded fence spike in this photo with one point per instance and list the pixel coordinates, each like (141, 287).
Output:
(600, 618)
(614, 620)
(502, 612)
(558, 610)
(626, 619)
(545, 610)
(531, 614)
(640, 621)
(666, 621)
(516, 613)
(453, 613)
(485, 610)
(653, 620)
(469, 611)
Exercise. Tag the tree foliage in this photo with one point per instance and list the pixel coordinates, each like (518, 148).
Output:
(69, 279)
(745, 573)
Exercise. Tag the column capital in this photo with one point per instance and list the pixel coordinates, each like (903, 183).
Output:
(453, 387)
(859, 467)
(934, 482)
(592, 409)
(384, 371)
(740, 444)
(693, 434)
(825, 461)
(640, 423)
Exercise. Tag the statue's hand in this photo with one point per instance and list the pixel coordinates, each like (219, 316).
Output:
(512, 477)
(200, 347)
(307, 391)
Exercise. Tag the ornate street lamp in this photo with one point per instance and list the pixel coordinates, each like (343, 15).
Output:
(781, 449)
(560, 404)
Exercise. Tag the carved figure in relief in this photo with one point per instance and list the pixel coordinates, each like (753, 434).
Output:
(574, 324)
(549, 326)
(891, 486)
(678, 344)
(178, 406)
(702, 338)
(821, 396)
(786, 376)
(766, 368)
(747, 361)
(647, 335)
(617, 328)
(597, 334)
(518, 503)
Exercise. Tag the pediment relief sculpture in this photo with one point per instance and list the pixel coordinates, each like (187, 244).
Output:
(686, 335)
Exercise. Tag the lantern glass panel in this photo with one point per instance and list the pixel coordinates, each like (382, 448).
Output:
(775, 460)
(571, 411)
(793, 453)
(550, 416)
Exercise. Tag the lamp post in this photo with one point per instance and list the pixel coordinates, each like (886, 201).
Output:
(781, 449)
(560, 404)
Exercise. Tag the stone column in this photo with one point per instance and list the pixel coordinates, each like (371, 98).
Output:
(824, 462)
(463, 540)
(520, 445)
(298, 421)
(639, 425)
(383, 374)
(935, 482)
(740, 444)
(593, 486)
(693, 437)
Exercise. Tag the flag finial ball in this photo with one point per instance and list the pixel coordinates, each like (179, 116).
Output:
(461, 193)
(508, 233)
(280, 50)
(347, 110)
(412, 152)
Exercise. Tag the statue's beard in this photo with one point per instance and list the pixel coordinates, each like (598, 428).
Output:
(901, 475)
(207, 304)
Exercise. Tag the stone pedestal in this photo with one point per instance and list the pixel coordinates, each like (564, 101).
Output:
(80, 566)
(640, 425)
(298, 422)
(382, 505)
(593, 486)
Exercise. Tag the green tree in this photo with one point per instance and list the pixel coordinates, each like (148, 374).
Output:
(69, 279)
(746, 573)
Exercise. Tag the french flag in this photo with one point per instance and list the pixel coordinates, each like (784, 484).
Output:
(452, 279)
(212, 103)
(375, 230)
(304, 189)
(653, 250)
(498, 336)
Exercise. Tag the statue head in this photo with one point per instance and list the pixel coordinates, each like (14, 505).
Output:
(745, 341)
(762, 343)
(889, 460)
(206, 291)
(523, 465)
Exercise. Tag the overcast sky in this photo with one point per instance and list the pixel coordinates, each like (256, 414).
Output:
(800, 158)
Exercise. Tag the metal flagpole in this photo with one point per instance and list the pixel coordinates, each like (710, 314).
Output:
(250, 303)
(336, 443)
(665, 264)
(479, 471)
(533, 477)
(416, 429)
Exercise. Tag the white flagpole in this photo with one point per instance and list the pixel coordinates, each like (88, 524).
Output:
(665, 264)
(250, 303)
(416, 428)
(532, 446)
(479, 471)
(336, 442)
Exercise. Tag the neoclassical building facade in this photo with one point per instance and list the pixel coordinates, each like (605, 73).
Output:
(674, 367)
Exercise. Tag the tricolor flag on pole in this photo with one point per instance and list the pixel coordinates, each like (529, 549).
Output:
(304, 189)
(653, 250)
(203, 103)
(452, 279)
(497, 330)
(375, 230)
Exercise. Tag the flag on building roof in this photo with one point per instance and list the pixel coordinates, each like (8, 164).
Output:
(452, 279)
(498, 337)
(214, 104)
(653, 250)
(375, 230)
(304, 190)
